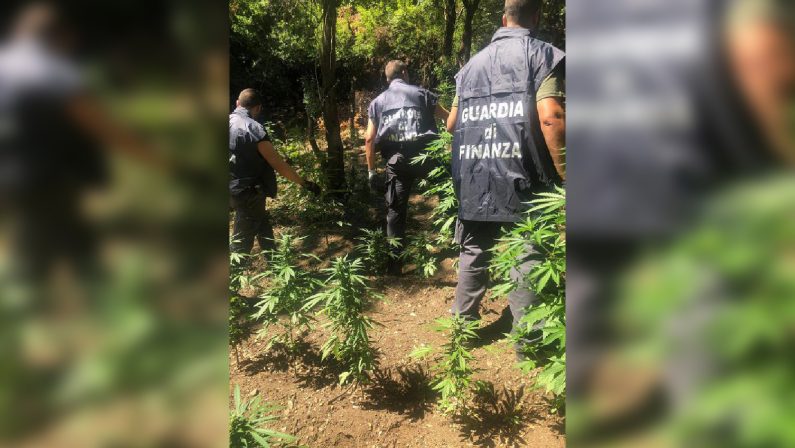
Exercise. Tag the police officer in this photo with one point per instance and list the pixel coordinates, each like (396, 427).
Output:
(402, 121)
(252, 161)
(508, 142)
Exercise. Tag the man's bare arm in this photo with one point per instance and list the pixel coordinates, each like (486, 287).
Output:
(277, 163)
(369, 145)
(552, 115)
(451, 118)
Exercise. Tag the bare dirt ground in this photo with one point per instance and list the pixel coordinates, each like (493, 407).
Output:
(398, 409)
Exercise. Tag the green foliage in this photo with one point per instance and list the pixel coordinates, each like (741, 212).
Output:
(270, 41)
(419, 251)
(400, 29)
(344, 299)
(543, 228)
(293, 203)
(454, 372)
(421, 352)
(238, 278)
(273, 44)
(247, 421)
(553, 23)
(725, 287)
(283, 302)
(439, 182)
(445, 72)
(374, 249)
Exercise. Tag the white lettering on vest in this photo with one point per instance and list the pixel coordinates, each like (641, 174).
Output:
(519, 110)
(517, 151)
(502, 110)
(503, 150)
(492, 110)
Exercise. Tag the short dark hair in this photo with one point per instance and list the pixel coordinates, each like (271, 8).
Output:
(522, 11)
(249, 98)
(394, 69)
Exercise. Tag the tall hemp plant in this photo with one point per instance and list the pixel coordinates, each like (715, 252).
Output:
(282, 304)
(238, 279)
(543, 227)
(344, 299)
(453, 369)
(439, 182)
(375, 250)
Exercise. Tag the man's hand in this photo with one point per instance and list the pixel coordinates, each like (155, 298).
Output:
(373, 181)
(312, 187)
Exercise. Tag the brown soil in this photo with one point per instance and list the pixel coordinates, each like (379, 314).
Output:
(398, 408)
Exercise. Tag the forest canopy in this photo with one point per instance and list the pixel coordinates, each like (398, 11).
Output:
(276, 44)
(309, 58)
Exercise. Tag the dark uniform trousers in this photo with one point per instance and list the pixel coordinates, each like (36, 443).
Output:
(477, 238)
(400, 177)
(251, 221)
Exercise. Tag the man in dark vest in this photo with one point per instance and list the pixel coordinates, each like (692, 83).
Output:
(508, 144)
(252, 161)
(402, 121)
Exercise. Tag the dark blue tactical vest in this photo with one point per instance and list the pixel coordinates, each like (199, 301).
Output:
(247, 167)
(403, 116)
(500, 157)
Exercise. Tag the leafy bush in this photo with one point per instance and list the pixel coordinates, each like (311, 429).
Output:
(445, 71)
(544, 228)
(344, 299)
(374, 249)
(293, 203)
(246, 424)
(289, 288)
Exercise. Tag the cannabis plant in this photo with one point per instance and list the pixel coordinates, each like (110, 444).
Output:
(375, 250)
(246, 424)
(439, 182)
(543, 228)
(282, 304)
(238, 278)
(419, 252)
(454, 372)
(344, 299)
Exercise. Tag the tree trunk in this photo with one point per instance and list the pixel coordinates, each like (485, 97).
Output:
(335, 166)
(352, 119)
(449, 27)
(310, 131)
(470, 7)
